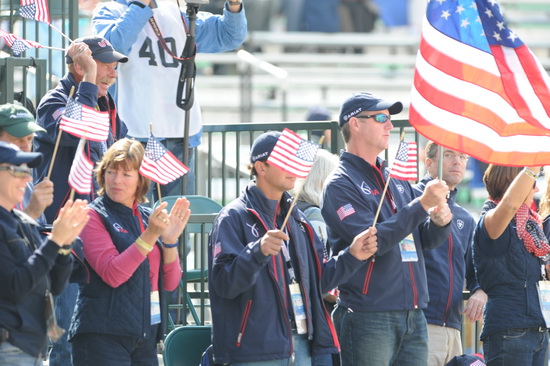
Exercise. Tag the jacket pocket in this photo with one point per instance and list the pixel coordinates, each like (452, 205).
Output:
(244, 320)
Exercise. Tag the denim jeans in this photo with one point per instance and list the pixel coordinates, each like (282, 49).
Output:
(14, 356)
(112, 350)
(60, 355)
(391, 338)
(174, 188)
(517, 346)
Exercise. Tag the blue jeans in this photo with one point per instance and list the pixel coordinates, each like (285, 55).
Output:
(302, 355)
(517, 346)
(60, 354)
(391, 338)
(174, 188)
(14, 356)
(111, 350)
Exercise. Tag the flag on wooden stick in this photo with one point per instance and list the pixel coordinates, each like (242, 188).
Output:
(159, 164)
(80, 176)
(84, 121)
(35, 9)
(293, 154)
(405, 165)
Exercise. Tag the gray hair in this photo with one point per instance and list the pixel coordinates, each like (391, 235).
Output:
(324, 164)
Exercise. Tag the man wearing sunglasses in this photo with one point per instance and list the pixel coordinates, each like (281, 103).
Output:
(449, 264)
(17, 126)
(379, 315)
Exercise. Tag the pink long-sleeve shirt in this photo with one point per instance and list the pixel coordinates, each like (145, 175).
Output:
(116, 268)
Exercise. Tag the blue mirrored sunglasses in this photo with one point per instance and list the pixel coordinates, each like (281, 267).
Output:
(380, 117)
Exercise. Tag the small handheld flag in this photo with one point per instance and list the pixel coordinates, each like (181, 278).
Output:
(35, 9)
(405, 164)
(83, 121)
(18, 45)
(80, 176)
(159, 164)
(293, 154)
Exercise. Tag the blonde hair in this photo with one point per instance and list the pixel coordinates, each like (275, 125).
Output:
(127, 154)
(323, 165)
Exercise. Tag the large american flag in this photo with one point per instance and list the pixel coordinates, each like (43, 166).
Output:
(35, 9)
(159, 164)
(478, 89)
(18, 45)
(83, 121)
(405, 164)
(80, 176)
(293, 154)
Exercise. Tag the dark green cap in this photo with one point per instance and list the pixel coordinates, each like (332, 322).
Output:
(17, 120)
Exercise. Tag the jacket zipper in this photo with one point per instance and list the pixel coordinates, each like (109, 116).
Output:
(367, 277)
(451, 282)
(243, 322)
(415, 290)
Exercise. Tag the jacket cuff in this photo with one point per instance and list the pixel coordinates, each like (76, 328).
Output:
(87, 93)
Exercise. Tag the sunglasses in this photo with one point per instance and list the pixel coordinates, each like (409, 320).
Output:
(17, 171)
(380, 117)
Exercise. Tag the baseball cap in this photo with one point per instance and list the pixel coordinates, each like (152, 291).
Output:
(466, 360)
(102, 50)
(10, 153)
(318, 113)
(17, 120)
(263, 145)
(364, 101)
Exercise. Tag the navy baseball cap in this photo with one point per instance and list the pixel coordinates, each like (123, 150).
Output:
(102, 50)
(364, 101)
(10, 153)
(263, 146)
(318, 113)
(466, 360)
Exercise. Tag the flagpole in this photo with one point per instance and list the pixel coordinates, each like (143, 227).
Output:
(385, 189)
(53, 48)
(295, 199)
(58, 31)
(60, 131)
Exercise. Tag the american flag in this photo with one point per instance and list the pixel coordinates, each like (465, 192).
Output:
(18, 45)
(293, 154)
(159, 164)
(478, 89)
(405, 164)
(83, 121)
(80, 176)
(35, 9)
(345, 211)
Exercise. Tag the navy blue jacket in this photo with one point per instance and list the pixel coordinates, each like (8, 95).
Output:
(508, 273)
(125, 310)
(27, 264)
(48, 115)
(249, 292)
(350, 200)
(448, 265)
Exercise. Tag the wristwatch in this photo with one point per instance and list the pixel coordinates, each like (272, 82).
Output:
(237, 2)
(65, 249)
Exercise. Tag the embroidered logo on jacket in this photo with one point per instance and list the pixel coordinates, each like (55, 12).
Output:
(368, 190)
(400, 188)
(119, 228)
(460, 224)
(253, 230)
(345, 211)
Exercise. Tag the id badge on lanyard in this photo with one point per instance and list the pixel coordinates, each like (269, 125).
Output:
(544, 297)
(408, 249)
(155, 307)
(296, 297)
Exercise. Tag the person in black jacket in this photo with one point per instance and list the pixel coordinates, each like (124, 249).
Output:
(258, 270)
(31, 268)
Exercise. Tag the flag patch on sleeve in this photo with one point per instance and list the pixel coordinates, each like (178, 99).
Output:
(345, 211)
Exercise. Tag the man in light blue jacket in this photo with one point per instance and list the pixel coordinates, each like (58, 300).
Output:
(154, 36)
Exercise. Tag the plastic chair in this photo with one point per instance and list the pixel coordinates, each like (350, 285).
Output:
(203, 210)
(184, 345)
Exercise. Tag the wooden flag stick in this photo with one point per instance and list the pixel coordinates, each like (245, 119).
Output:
(57, 142)
(385, 190)
(58, 31)
(54, 48)
(295, 199)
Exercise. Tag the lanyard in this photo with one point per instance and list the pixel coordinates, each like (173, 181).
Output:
(160, 37)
